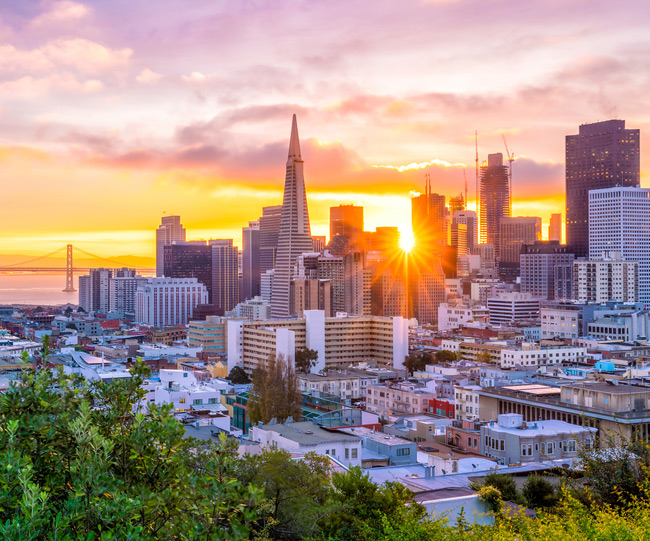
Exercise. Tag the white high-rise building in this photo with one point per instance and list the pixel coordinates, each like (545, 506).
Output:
(608, 279)
(162, 302)
(619, 221)
(170, 230)
(122, 293)
(295, 233)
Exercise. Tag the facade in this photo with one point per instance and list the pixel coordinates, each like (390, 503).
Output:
(452, 317)
(512, 308)
(331, 268)
(565, 320)
(608, 279)
(357, 284)
(122, 293)
(181, 388)
(295, 232)
(464, 224)
(619, 221)
(555, 228)
(189, 260)
(398, 399)
(344, 385)
(602, 155)
(515, 232)
(168, 301)
(533, 357)
(627, 326)
(347, 221)
(209, 335)
(95, 288)
(225, 274)
(256, 309)
(466, 402)
(170, 230)
(250, 261)
(311, 294)
(513, 441)
(270, 222)
(495, 200)
(546, 270)
(429, 221)
(339, 341)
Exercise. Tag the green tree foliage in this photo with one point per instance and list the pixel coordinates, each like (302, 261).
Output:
(305, 360)
(505, 484)
(80, 461)
(418, 362)
(539, 493)
(296, 490)
(484, 357)
(445, 356)
(238, 376)
(275, 392)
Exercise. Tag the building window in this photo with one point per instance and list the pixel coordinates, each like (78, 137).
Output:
(182, 401)
(354, 453)
(347, 453)
(404, 452)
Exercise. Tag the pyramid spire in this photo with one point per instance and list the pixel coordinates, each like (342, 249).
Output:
(294, 142)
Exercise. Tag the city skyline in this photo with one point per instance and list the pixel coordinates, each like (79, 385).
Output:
(114, 114)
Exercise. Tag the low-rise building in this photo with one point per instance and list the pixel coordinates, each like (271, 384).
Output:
(533, 356)
(511, 440)
(452, 317)
(185, 392)
(511, 308)
(345, 385)
(466, 400)
(398, 399)
(209, 335)
(379, 444)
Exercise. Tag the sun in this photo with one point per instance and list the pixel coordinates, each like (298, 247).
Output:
(406, 240)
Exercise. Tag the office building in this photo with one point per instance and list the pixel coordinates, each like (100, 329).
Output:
(384, 240)
(170, 230)
(189, 259)
(95, 288)
(162, 302)
(555, 228)
(468, 219)
(295, 232)
(266, 285)
(250, 261)
(546, 270)
(331, 268)
(225, 274)
(610, 278)
(495, 199)
(318, 243)
(511, 308)
(311, 294)
(270, 222)
(347, 221)
(357, 284)
(429, 221)
(209, 335)
(515, 232)
(619, 221)
(602, 155)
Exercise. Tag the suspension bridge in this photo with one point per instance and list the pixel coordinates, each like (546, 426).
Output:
(69, 269)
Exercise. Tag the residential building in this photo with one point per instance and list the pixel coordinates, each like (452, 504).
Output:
(546, 270)
(512, 440)
(429, 221)
(533, 356)
(122, 294)
(610, 278)
(181, 389)
(345, 385)
(295, 232)
(623, 325)
(311, 294)
(565, 320)
(170, 230)
(257, 309)
(495, 200)
(209, 335)
(398, 399)
(398, 451)
(619, 221)
(466, 402)
(168, 301)
(454, 316)
(357, 284)
(602, 155)
(515, 232)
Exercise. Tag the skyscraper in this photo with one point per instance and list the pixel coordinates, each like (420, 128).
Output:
(347, 221)
(468, 219)
(602, 155)
(429, 221)
(515, 232)
(250, 260)
(225, 274)
(619, 221)
(555, 228)
(189, 260)
(170, 230)
(269, 232)
(295, 232)
(495, 200)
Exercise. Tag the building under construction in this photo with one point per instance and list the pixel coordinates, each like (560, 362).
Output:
(495, 199)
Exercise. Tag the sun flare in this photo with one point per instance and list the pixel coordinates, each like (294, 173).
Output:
(406, 240)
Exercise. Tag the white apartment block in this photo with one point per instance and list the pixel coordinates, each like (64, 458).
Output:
(530, 356)
(122, 293)
(164, 302)
(340, 341)
(181, 388)
(610, 278)
(466, 402)
(452, 317)
(346, 386)
(619, 221)
(256, 309)
(561, 322)
(511, 308)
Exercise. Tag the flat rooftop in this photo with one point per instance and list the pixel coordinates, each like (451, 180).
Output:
(379, 437)
(534, 389)
(308, 433)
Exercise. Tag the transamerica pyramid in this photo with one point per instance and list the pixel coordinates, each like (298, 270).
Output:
(295, 234)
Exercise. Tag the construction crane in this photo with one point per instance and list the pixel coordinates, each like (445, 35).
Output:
(478, 214)
(511, 158)
(465, 176)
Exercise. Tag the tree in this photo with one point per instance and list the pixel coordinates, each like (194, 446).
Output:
(539, 493)
(238, 376)
(417, 362)
(484, 357)
(296, 490)
(68, 310)
(445, 356)
(305, 360)
(505, 484)
(274, 393)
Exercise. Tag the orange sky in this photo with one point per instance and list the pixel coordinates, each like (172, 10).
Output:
(113, 113)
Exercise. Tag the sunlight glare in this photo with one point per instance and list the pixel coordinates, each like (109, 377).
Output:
(406, 240)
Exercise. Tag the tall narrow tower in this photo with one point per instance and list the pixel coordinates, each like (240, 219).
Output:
(295, 233)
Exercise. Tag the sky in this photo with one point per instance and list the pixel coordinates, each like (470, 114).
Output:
(114, 113)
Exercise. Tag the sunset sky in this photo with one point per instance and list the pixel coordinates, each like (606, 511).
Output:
(113, 112)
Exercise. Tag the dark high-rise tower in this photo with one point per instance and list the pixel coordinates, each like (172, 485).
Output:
(250, 261)
(429, 221)
(602, 155)
(295, 232)
(495, 199)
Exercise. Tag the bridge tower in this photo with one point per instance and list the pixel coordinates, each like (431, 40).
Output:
(69, 276)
